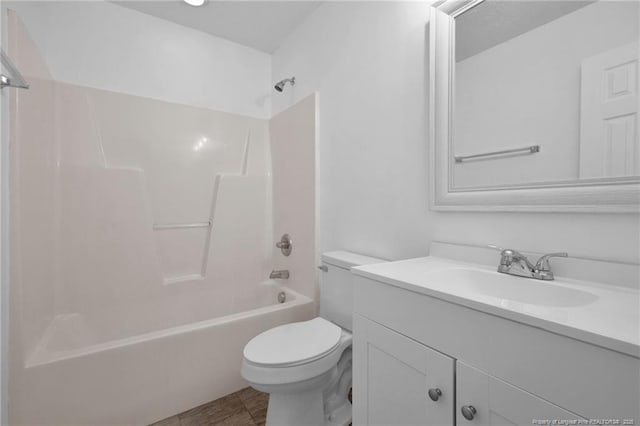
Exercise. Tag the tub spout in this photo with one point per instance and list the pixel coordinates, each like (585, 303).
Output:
(283, 274)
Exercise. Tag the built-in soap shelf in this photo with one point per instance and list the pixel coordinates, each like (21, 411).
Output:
(206, 226)
(160, 226)
(182, 278)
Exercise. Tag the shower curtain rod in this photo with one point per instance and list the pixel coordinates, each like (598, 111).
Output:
(14, 79)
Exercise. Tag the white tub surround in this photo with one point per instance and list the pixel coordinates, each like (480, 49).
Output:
(293, 135)
(141, 234)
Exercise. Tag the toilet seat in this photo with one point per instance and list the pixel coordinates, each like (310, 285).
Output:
(312, 361)
(293, 344)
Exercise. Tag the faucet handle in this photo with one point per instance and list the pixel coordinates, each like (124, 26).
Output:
(506, 255)
(542, 264)
(285, 244)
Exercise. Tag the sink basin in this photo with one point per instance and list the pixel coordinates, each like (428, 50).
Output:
(509, 287)
(597, 312)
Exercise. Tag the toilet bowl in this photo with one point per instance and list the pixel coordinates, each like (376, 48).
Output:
(306, 366)
(300, 365)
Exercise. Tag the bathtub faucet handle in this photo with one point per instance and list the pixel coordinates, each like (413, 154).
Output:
(285, 244)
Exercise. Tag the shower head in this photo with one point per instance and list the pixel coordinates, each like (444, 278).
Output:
(280, 85)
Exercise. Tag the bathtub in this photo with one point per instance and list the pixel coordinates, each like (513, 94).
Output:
(83, 372)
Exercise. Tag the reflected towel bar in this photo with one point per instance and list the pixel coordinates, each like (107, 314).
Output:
(182, 225)
(525, 150)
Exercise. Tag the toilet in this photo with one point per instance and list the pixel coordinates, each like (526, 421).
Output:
(306, 366)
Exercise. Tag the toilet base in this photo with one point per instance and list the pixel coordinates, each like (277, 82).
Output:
(324, 404)
(341, 416)
(296, 409)
(305, 410)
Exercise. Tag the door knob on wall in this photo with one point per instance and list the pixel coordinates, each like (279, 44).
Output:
(285, 244)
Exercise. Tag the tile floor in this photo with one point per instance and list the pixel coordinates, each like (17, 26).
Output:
(247, 407)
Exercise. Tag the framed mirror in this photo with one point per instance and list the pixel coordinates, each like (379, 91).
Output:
(534, 105)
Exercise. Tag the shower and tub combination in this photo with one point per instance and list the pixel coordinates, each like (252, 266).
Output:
(142, 237)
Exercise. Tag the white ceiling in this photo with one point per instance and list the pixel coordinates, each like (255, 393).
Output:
(262, 25)
(494, 21)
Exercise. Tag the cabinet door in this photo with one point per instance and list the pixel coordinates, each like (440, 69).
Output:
(498, 403)
(392, 377)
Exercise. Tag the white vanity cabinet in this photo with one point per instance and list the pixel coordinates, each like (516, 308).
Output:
(401, 381)
(407, 342)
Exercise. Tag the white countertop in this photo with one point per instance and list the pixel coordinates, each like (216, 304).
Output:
(610, 317)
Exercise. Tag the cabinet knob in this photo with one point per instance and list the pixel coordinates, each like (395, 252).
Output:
(468, 412)
(435, 394)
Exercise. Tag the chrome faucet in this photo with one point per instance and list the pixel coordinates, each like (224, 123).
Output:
(282, 274)
(515, 263)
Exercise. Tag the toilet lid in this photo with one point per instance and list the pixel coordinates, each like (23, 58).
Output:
(293, 343)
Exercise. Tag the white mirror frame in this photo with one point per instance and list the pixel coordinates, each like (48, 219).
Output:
(593, 195)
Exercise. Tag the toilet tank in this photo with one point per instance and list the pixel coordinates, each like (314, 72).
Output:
(336, 285)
